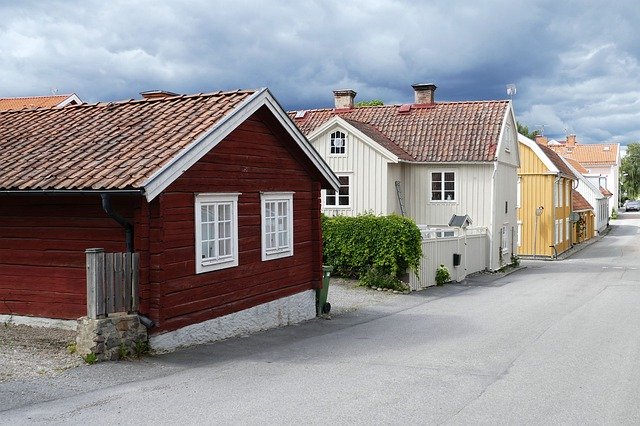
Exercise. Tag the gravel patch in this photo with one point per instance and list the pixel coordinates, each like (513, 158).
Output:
(28, 352)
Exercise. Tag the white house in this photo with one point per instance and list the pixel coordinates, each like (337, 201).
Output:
(602, 161)
(592, 194)
(426, 160)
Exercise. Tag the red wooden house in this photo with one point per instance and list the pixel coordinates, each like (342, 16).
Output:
(218, 193)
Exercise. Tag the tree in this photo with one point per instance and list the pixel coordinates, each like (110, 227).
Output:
(524, 130)
(372, 102)
(630, 172)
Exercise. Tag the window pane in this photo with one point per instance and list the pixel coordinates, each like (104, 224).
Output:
(203, 231)
(331, 200)
(449, 176)
(344, 180)
(436, 186)
(436, 177)
(448, 195)
(343, 200)
(204, 217)
(437, 196)
(449, 186)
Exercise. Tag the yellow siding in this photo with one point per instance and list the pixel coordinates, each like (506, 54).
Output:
(537, 183)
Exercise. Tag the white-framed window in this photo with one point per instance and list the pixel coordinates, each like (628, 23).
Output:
(567, 193)
(343, 197)
(216, 218)
(558, 230)
(519, 233)
(277, 224)
(338, 143)
(443, 186)
(518, 192)
(504, 239)
(567, 227)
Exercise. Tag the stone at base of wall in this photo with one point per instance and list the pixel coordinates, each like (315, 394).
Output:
(118, 336)
(288, 310)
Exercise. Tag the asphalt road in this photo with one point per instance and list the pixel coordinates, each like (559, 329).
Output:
(556, 342)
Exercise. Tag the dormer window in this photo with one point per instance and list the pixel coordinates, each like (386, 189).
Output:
(338, 143)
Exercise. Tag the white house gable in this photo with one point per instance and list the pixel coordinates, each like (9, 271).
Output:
(361, 165)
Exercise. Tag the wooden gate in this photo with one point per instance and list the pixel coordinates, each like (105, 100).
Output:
(112, 282)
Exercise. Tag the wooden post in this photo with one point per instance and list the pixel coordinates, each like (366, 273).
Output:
(95, 282)
(135, 281)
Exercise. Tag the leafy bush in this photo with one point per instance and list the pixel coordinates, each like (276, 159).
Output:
(442, 275)
(374, 277)
(354, 245)
(515, 260)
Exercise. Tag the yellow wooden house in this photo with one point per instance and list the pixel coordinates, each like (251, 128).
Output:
(545, 184)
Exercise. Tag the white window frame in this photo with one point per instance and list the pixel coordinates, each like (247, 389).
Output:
(349, 187)
(217, 262)
(282, 224)
(556, 194)
(519, 233)
(442, 189)
(567, 192)
(558, 230)
(518, 192)
(504, 239)
(567, 227)
(334, 147)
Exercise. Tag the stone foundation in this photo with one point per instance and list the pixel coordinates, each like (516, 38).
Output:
(286, 311)
(109, 339)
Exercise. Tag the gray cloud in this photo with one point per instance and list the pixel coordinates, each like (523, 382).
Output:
(576, 66)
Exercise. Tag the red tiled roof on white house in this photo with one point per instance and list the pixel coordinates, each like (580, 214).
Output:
(28, 102)
(424, 131)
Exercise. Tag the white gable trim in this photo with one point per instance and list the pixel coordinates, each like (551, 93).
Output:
(340, 122)
(72, 98)
(536, 150)
(509, 113)
(582, 178)
(192, 153)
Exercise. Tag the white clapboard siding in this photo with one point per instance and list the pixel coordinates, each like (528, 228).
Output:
(367, 169)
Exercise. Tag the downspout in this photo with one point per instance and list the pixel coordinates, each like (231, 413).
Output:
(493, 212)
(128, 226)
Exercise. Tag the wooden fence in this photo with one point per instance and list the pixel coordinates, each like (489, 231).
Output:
(112, 282)
(438, 248)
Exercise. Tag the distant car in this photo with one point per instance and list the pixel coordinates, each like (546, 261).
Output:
(633, 206)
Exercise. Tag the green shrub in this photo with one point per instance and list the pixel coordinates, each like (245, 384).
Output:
(614, 213)
(376, 278)
(442, 275)
(355, 245)
(90, 358)
(515, 260)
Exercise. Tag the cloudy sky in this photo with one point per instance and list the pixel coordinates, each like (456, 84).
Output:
(576, 64)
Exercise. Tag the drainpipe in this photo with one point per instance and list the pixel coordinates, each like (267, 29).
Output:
(128, 227)
(493, 211)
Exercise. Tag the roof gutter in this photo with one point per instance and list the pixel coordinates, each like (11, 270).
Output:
(71, 191)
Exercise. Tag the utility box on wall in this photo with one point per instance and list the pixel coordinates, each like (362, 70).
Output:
(457, 257)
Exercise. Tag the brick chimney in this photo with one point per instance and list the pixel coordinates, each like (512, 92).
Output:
(571, 140)
(424, 93)
(542, 140)
(157, 94)
(344, 98)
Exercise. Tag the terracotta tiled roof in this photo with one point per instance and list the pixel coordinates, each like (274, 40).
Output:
(557, 161)
(31, 102)
(596, 154)
(439, 132)
(579, 203)
(381, 139)
(105, 145)
(576, 165)
(605, 192)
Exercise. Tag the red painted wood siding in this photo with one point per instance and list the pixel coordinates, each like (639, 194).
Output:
(42, 244)
(250, 160)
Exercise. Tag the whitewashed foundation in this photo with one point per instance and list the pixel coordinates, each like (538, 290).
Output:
(286, 311)
(39, 322)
